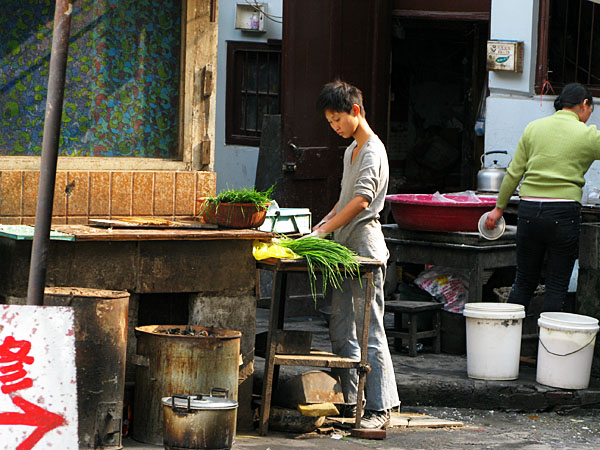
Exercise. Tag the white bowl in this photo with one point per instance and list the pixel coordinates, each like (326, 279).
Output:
(491, 234)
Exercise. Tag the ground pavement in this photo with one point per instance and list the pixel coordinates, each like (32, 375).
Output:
(437, 384)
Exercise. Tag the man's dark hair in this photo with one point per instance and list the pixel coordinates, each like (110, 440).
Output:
(571, 95)
(339, 96)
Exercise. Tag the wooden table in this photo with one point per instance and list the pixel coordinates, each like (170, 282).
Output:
(137, 260)
(214, 268)
(280, 269)
(463, 250)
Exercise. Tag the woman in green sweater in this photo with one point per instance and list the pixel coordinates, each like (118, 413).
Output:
(552, 157)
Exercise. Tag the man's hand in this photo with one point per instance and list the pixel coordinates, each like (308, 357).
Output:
(317, 232)
(319, 225)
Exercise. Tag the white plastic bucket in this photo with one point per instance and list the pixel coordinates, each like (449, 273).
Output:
(493, 340)
(565, 350)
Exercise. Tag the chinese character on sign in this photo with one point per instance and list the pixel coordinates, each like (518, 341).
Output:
(13, 377)
(13, 354)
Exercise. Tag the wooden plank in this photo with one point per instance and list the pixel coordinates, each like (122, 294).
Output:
(149, 222)
(364, 433)
(397, 420)
(390, 332)
(432, 422)
(316, 359)
(528, 360)
(366, 264)
(413, 420)
(441, 15)
(87, 233)
(408, 306)
(198, 105)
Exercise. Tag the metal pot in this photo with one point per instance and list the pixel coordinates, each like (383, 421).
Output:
(199, 421)
(180, 363)
(489, 179)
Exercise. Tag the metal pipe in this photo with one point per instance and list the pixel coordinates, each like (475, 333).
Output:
(50, 141)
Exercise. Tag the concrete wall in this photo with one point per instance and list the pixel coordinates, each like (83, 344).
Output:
(512, 103)
(236, 164)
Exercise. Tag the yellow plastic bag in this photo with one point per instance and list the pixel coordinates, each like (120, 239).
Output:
(263, 250)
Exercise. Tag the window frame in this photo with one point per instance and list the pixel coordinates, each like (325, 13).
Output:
(233, 99)
(199, 27)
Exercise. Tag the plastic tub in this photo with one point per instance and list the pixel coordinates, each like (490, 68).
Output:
(566, 349)
(428, 212)
(493, 340)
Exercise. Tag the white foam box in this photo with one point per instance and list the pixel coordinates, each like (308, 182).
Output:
(288, 220)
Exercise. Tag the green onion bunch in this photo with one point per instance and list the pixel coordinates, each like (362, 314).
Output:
(333, 260)
(245, 195)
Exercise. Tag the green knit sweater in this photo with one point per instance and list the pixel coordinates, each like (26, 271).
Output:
(553, 155)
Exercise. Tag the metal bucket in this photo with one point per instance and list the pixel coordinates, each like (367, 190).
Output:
(186, 364)
(100, 352)
(199, 421)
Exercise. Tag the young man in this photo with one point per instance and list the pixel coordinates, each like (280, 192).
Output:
(354, 222)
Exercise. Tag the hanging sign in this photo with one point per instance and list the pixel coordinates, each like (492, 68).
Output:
(38, 383)
(505, 56)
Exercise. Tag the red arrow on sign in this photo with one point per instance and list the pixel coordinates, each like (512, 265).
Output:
(33, 416)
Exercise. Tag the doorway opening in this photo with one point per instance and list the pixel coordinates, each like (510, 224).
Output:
(438, 79)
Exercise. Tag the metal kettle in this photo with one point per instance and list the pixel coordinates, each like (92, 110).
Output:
(489, 179)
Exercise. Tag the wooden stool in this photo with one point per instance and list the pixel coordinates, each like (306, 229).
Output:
(273, 360)
(413, 309)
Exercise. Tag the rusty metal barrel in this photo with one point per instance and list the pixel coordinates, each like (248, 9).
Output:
(180, 359)
(100, 352)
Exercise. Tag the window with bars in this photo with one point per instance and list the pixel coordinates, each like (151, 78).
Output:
(253, 89)
(569, 42)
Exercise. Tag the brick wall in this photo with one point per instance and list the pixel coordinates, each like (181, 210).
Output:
(80, 195)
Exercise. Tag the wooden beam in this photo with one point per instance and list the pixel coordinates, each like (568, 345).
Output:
(441, 15)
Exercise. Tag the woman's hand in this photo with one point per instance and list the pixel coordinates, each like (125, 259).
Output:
(492, 218)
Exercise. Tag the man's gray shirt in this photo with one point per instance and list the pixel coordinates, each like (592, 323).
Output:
(367, 176)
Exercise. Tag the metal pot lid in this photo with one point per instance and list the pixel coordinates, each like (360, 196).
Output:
(199, 402)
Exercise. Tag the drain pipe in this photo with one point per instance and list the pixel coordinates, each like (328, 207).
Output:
(50, 141)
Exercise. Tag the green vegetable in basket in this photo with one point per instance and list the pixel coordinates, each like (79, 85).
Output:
(245, 195)
(333, 260)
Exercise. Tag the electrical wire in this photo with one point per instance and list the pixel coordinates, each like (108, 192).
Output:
(254, 4)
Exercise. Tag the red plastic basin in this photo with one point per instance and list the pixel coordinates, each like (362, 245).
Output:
(426, 213)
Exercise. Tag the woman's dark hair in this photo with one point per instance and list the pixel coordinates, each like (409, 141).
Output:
(339, 96)
(571, 95)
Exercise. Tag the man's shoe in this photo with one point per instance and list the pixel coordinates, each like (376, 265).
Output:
(349, 410)
(376, 420)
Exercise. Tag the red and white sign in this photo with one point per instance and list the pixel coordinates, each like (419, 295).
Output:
(38, 384)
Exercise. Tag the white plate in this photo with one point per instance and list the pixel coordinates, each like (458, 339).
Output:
(491, 234)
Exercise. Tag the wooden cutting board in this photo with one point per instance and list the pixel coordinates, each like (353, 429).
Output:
(150, 222)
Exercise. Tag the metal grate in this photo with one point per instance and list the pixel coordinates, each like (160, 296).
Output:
(253, 89)
(260, 88)
(573, 40)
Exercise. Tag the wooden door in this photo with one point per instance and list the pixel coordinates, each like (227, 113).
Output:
(324, 40)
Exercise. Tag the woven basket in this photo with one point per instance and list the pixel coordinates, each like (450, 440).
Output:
(240, 215)
(208, 213)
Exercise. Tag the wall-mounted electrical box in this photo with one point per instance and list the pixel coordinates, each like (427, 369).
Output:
(505, 56)
(250, 17)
